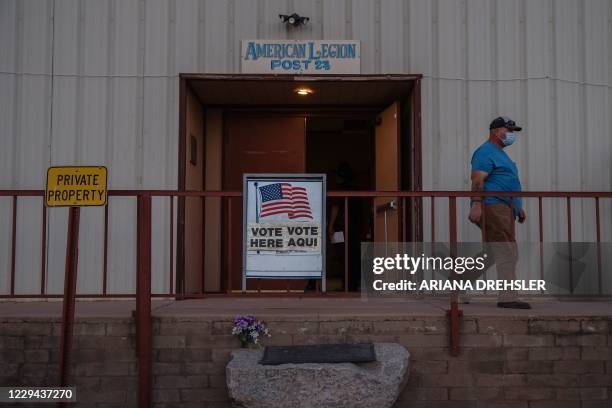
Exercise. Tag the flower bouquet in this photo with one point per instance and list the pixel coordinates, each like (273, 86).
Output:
(249, 330)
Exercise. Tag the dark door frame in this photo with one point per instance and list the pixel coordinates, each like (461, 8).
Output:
(413, 102)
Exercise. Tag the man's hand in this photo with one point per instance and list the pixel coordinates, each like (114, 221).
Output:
(522, 216)
(475, 212)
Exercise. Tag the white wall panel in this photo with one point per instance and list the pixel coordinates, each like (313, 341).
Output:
(334, 19)
(35, 36)
(6, 232)
(9, 108)
(95, 21)
(312, 9)
(123, 60)
(96, 81)
(392, 36)
(28, 245)
(268, 20)
(365, 25)
(66, 36)
(160, 244)
(122, 134)
(57, 229)
(245, 19)
(32, 144)
(121, 245)
(9, 23)
(216, 57)
(186, 43)
(160, 21)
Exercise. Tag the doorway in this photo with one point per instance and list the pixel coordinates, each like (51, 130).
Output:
(366, 126)
(342, 147)
(257, 143)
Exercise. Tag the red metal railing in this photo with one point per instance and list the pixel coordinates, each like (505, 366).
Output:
(408, 202)
(143, 253)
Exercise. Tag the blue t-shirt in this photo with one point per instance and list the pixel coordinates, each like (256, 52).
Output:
(503, 173)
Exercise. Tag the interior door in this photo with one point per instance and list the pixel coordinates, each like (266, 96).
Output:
(258, 144)
(387, 178)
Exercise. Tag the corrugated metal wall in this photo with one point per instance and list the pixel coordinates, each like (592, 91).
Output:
(95, 82)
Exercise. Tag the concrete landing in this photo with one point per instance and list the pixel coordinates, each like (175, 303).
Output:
(223, 307)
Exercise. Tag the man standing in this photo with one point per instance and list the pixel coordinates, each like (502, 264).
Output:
(493, 170)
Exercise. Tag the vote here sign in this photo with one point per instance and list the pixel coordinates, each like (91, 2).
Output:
(284, 221)
(76, 186)
(284, 237)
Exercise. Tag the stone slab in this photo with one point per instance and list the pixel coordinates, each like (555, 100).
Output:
(375, 384)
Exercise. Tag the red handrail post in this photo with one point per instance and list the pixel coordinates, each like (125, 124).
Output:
(13, 244)
(143, 300)
(541, 237)
(70, 279)
(171, 266)
(229, 246)
(568, 207)
(346, 243)
(454, 313)
(598, 240)
(43, 246)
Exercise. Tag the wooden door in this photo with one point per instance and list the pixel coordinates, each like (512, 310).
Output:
(387, 177)
(258, 144)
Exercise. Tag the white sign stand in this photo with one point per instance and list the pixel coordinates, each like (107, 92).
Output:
(284, 227)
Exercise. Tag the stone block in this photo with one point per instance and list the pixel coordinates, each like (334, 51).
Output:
(537, 326)
(317, 385)
(524, 367)
(168, 342)
(529, 340)
(596, 353)
(529, 393)
(581, 340)
(481, 340)
(579, 367)
(475, 393)
(499, 326)
(554, 353)
(424, 394)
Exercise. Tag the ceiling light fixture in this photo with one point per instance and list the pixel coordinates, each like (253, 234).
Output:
(303, 91)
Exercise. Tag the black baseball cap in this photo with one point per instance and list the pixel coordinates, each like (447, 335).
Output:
(504, 122)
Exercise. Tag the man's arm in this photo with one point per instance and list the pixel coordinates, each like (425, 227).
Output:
(478, 178)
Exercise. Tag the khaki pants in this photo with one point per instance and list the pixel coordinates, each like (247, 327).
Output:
(499, 230)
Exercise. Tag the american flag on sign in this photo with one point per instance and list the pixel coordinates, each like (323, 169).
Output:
(283, 198)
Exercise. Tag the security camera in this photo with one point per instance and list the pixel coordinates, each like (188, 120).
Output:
(294, 19)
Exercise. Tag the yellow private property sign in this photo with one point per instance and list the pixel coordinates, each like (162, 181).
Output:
(80, 186)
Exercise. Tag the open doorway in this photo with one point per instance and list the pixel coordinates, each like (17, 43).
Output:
(363, 132)
(343, 148)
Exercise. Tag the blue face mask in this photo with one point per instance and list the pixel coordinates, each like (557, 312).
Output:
(510, 138)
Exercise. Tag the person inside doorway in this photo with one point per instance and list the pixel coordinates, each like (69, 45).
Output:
(494, 170)
(336, 228)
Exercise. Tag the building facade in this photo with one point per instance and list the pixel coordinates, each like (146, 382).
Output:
(97, 82)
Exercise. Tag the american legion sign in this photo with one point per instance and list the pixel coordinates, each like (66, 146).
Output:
(284, 222)
(300, 57)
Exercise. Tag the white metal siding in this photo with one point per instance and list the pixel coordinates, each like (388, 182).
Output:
(96, 82)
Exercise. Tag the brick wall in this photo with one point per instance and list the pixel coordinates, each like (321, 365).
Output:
(509, 363)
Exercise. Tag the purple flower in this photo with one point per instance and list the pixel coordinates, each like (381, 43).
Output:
(248, 329)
